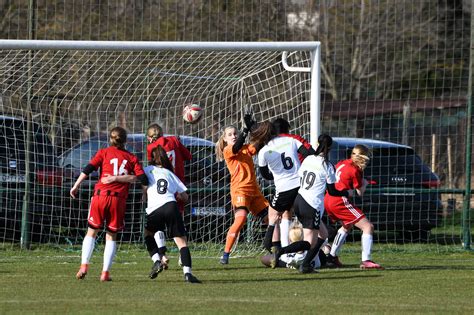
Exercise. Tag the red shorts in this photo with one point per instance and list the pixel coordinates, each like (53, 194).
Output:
(254, 204)
(108, 209)
(341, 209)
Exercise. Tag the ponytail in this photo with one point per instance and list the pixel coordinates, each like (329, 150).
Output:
(324, 146)
(160, 158)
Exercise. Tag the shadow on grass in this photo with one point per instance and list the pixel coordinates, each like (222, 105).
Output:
(297, 277)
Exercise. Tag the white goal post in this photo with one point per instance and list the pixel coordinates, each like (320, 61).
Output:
(67, 94)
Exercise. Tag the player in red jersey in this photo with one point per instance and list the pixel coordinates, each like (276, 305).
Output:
(349, 176)
(177, 154)
(118, 168)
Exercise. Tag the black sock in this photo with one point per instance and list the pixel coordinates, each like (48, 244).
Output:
(313, 252)
(162, 250)
(151, 246)
(296, 247)
(277, 244)
(267, 241)
(185, 256)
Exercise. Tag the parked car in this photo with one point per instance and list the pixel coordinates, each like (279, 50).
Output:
(207, 212)
(398, 196)
(43, 176)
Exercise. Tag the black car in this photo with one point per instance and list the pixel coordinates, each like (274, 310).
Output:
(21, 190)
(207, 212)
(398, 197)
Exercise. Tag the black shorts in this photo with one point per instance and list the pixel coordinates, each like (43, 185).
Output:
(167, 216)
(283, 201)
(309, 217)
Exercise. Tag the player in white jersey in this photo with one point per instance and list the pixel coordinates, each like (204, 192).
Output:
(316, 175)
(279, 159)
(162, 212)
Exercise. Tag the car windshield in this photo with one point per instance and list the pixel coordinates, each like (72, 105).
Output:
(395, 161)
(12, 147)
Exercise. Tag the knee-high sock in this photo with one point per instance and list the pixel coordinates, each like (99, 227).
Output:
(338, 242)
(285, 232)
(151, 247)
(267, 241)
(234, 232)
(161, 242)
(185, 255)
(313, 252)
(295, 247)
(109, 254)
(367, 240)
(87, 248)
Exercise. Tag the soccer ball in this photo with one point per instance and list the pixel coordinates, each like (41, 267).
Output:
(192, 113)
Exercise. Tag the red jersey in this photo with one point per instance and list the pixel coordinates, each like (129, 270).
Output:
(176, 151)
(304, 143)
(115, 161)
(348, 175)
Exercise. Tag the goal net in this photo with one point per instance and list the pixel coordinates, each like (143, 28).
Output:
(59, 99)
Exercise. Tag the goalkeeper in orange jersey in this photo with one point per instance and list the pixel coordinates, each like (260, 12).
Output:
(244, 190)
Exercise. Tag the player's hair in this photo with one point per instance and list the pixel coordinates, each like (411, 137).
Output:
(221, 144)
(360, 156)
(118, 137)
(160, 158)
(154, 132)
(262, 134)
(281, 125)
(324, 146)
(295, 233)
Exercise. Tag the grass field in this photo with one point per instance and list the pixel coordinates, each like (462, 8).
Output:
(43, 281)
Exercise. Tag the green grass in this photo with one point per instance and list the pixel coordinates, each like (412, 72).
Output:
(43, 281)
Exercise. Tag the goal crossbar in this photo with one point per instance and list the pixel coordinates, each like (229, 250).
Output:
(14, 44)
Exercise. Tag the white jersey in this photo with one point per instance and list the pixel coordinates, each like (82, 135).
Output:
(281, 157)
(314, 174)
(162, 186)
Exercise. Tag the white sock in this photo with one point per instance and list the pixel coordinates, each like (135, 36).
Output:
(109, 254)
(285, 232)
(367, 240)
(155, 257)
(87, 248)
(160, 239)
(338, 242)
(186, 269)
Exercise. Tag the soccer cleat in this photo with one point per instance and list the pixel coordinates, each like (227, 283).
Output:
(105, 276)
(276, 254)
(369, 264)
(306, 269)
(81, 274)
(155, 270)
(164, 262)
(189, 278)
(224, 260)
(333, 262)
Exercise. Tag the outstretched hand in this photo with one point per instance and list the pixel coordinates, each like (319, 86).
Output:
(248, 121)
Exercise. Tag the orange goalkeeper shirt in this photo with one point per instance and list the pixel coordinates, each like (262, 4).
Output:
(242, 171)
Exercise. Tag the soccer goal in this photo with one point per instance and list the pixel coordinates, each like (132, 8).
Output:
(58, 99)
